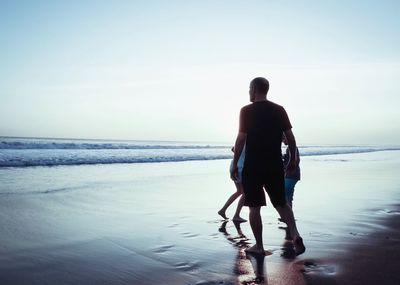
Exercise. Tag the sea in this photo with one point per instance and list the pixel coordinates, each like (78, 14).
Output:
(48, 152)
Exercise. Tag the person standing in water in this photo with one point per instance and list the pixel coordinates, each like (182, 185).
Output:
(261, 126)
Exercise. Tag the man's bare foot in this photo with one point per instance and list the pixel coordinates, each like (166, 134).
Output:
(222, 214)
(255, 249)
(299, 246)
(239, 220)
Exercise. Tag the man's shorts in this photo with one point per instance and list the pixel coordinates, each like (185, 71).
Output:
(256, 179)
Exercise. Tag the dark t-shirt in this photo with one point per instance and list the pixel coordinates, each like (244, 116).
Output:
(264, 123)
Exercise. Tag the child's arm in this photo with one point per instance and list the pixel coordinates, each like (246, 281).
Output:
(291, 166)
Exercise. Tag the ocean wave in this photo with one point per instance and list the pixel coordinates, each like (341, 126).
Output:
(28, 161)
(48, 152)
(17, 144)
(46, 157)
(336, 150)
(49, 191)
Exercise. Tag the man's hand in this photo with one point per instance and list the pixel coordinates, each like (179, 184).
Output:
(291, 168)
(234, 173)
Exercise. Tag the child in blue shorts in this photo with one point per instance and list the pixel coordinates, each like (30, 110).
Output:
(290, 180)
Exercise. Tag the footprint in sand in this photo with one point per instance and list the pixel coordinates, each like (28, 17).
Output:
(187, 266)
(214, 236)
(358, 234)
(189, 235)
(311, 267)
(388, 212)
(319, 234)
(222, 282)
(163, 249)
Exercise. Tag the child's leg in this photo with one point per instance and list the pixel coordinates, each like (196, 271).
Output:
(230, 200)
(289, 190)
(239, 207)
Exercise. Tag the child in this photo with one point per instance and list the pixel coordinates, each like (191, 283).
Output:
(290, 180)
(239, 191)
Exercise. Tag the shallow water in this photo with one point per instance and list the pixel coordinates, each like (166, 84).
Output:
(157, 223)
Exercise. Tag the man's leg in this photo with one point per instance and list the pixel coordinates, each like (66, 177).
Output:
(286, 214)
(256, 227)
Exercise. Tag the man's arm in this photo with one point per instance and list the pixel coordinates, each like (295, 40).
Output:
(239, 144)
(291, 168)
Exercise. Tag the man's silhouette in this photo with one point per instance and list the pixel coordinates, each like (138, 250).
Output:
(262, 124)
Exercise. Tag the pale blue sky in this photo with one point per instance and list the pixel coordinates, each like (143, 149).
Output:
(179, 70)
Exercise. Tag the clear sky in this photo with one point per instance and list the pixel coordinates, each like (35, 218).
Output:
(180, 70)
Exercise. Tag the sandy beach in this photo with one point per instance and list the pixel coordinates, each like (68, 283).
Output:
(156, 223)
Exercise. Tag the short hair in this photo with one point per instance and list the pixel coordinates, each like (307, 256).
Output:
(261, 85)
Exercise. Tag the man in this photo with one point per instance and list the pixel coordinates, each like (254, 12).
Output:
(261, 127)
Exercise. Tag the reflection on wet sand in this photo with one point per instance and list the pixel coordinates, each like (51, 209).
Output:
(288, 250)
(248, 268)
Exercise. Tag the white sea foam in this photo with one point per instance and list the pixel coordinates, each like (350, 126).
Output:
(33, 143)
(25, 152)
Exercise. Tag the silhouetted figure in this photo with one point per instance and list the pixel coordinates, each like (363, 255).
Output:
(239, 192)
(290, 178)
(261, 126)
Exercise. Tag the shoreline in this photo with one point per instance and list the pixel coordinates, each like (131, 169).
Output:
(158, 224)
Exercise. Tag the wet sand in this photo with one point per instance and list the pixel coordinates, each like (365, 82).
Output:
(157, 224)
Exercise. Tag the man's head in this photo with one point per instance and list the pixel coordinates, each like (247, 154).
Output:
(259, 86)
